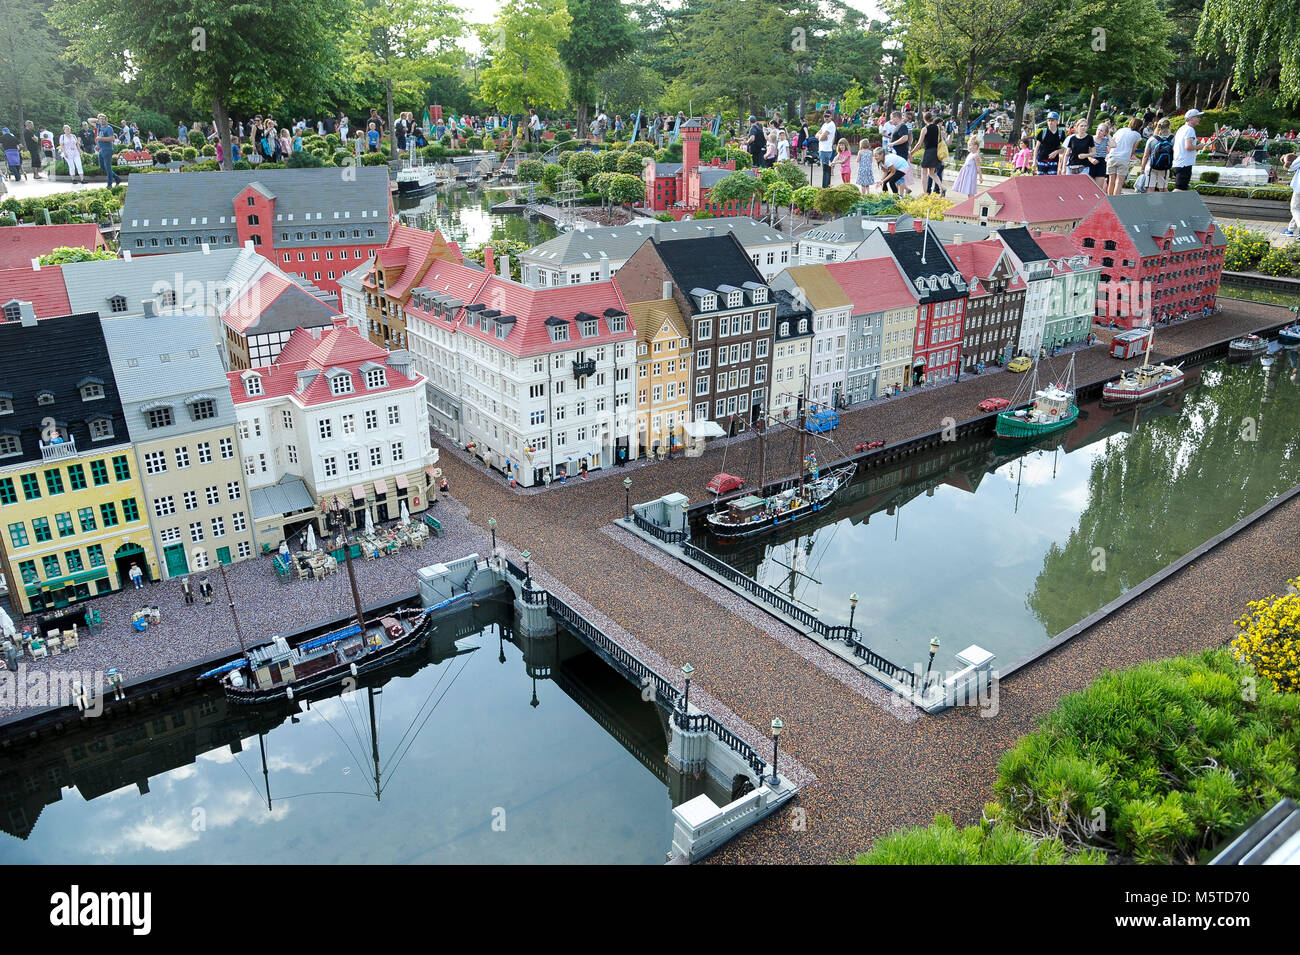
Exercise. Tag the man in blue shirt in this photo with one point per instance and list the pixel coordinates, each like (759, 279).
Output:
(104, 140)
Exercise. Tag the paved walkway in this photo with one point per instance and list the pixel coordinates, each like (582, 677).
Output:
(875, 771)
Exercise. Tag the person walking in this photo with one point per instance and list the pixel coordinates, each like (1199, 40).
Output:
(1291, 163)
(1050, 150)
(826, 146)
(1185, 151)
(900, 136)
(931, 136)
(33, 143)
(70, 149)
(1100, 148)
(970, 176)
(136, 575)
(1076, 157)
(1158, 157)
(104, 140)
(1119, 156)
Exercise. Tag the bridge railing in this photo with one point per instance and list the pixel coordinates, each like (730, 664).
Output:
(705, 722)
(663, 533)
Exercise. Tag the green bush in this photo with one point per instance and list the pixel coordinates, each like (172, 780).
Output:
(630, 163)
(374, 159)
(272, 165)
(189, 153)
(641, 148)
(571, 145)
(433, 152)
(305, 160)
(242, 164)
(195, 138)
(123, 171)
(445, 141)
(742, 159)
(563, 136)
(531, 170)
(1210, 176)
(701, 214)
(208, 165)
(162, 157)
(664, 216)
(584, 165)
(474, 142)
(551, 175)
(988, 843)
(805, 197)
(148, 121)
(837, 200)
(1283, 261)
(208, 149)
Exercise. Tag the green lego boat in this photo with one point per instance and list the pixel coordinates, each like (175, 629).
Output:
(1053, 409)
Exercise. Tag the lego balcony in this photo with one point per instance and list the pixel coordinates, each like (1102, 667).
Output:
(583, 368)
(58, 450)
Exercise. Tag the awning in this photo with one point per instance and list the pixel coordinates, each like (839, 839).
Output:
(704, 429)
(358, 492)
(381, 488)
(288, 497)
(401, 482)
(58, 583)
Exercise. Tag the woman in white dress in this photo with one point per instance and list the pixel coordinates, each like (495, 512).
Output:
(70, 149)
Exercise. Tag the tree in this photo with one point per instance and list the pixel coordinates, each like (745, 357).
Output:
(526, 69)
(737, 187)
(624, 189)
(584, 165)
(600, 36)
(27, 56)
(65, 254)
(401, 45)
(779, 193)
(213, 53)
(1260, 35)
(852, 100)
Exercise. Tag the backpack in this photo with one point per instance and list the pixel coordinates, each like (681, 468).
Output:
(1162, 157)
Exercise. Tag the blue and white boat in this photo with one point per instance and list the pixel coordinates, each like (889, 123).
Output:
(1290, 335)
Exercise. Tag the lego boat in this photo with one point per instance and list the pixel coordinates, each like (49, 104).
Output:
(1248, 346)
(1148, 381)
(1053, 409)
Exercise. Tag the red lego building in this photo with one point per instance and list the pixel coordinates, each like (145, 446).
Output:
(1160, 255)
(683, 188)
(317, 223)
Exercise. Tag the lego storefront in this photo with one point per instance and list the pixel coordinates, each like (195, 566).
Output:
(87, 580)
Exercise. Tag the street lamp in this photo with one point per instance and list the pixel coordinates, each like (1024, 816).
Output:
(853, 608)
(528, 574)
(934, 648)
(627, 497)
(777, 726)
(687, 671)
(492, 525)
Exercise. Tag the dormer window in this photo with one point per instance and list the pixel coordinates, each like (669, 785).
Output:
(559, 333)
(341, 384)
(6, 404)
(735, 299)
(159, 417)
(803, 325)
(92, 391)
(617, 323)
(760, 295)
(253, 385)
(45, 397)
(13, 312)
(101, 428)
(117, 303)
(375, 378)
(590, 328)
(10, 445)
(168, 298)
(943, 280)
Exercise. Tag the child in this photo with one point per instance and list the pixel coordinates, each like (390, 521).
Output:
(895, 171)
(842, 160)
(970, 175)
(1024, 159)
(783, 146)
(372, 138)
(866, 175)
(286, 146)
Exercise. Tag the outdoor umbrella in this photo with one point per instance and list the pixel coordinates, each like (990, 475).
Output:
(406, 515)
(311, 538)
(370, 523)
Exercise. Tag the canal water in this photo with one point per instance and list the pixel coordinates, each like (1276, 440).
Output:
(490, 751)
(1265, 295)
(464, 216)
(981, 543)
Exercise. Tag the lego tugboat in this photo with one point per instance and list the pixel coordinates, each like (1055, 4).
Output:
(1290, 335)
(1248, 346)
(756, 514)
(1053, 409)
(1145, 382)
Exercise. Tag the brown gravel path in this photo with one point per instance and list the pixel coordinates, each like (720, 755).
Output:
(875, 772)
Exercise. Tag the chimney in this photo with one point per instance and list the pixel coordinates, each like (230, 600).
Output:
(956, 238)
(206, 248)
(709, 228)
(248, 244)
(604, 267)
(1038, 233)
(149, 307)
(667, 289)
(36, 264)
(503, 266)
(489, 262)
(893, 226)
(27, 314)
(126, 255)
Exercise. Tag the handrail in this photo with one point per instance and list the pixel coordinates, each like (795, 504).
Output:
(665, 535)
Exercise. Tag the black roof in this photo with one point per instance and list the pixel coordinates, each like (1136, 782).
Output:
(909, 248)
(1020, 242)
(53, 356)
(707, 262)
(789, 309)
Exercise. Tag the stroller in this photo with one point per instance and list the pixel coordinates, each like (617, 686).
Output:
(14, 159)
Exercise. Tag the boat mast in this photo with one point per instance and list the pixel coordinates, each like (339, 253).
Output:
(803, 433)
(336, 518)
(762, 430)
(233, 616)
(374, 741)
(266, 774)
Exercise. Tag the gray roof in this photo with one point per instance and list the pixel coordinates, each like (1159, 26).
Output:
(287, 497)
(320, 199)
(665, 169)
(854, 229)
(352, 280)
(191, 276)
(192, 370)
(1145, 215)
(582, 247)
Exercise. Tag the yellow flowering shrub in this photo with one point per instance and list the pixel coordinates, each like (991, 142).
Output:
(931, 206)
(1270, 639)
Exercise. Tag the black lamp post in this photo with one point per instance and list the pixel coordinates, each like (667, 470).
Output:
(934, 648)
(627, 497)
(528, 574)
(853, 609)
(492, 525)
(777, 726)
(687, 671)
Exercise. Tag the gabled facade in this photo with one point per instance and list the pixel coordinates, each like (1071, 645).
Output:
(731, 310)
(1036, 270)
(1158, 254)
(537, 383)
(941, 300)
(261, 319)
(314, 223)
(996, 302)
(882, 326)
(20, 244)
(181, 419)
(663, 375)
(791, 354)
(72, 508)
(398, 268)
(831, 309)
(333, 415)
(1054, 204)
(1073, 303)
(41, 287)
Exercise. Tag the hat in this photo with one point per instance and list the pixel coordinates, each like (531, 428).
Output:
(1053, 115)
(753, 118)
(1193, 113)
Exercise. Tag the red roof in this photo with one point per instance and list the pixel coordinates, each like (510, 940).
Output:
(976, 262)
(1034, 199)
(20, 244)
(407, 249)
(341, 347)
(44, 288)
(872, 284)
(1057, 247)
(244, 312)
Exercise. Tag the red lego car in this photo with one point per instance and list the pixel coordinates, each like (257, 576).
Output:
(725, 484)
(993, 404)
(868, 446)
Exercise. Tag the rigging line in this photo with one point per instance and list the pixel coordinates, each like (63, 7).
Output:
(343, 704)
(441, 676)
(257, 791)
(327, 792)
(346, 744)
(392, 772)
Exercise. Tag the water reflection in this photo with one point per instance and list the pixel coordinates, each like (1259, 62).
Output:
(487, 748)
(464, 216)
(981, 542)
